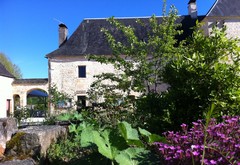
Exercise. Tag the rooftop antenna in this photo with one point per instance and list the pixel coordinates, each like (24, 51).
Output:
(60, 22)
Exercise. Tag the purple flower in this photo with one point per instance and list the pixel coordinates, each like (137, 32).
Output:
(195, 153)
(220, 138)
(184, 127)
(213, 162)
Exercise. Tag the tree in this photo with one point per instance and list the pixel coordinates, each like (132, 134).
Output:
(57, 98)
(201, 71)
(142, 73)
(11, 67)
(206, 73)
(139, 64)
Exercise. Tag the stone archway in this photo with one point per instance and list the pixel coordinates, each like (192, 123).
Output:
(37, 102)
(22, 87)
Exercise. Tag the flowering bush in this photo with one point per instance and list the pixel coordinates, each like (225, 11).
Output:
(222, 143)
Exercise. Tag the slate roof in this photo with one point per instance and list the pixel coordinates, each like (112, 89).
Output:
(4, 72)
(88, 38)
(225, 8)
(30, 81)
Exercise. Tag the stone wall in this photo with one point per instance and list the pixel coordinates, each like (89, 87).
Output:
(232, 24)
(233, 27)
(64, 74)
(27, 143)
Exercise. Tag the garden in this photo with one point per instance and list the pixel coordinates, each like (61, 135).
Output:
(196, 120)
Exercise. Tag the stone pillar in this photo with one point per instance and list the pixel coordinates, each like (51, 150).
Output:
(23, 99)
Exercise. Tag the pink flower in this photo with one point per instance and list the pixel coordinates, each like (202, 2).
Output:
(213, 162)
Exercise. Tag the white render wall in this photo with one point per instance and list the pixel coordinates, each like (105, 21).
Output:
(5, 93)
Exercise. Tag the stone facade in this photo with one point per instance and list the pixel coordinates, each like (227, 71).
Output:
(232, 24)
(64, 74)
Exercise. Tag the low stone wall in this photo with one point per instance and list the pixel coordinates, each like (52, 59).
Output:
(26, 143)
(34, 141)
(46, 134)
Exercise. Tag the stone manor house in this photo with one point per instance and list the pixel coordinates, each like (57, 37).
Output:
(72, 73)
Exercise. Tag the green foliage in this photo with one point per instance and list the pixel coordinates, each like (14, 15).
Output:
(21, 114)
(139, 65)
(129, 134)
(151, 112)
(57, 96)
(15, 141)
(65, 151)
(138, 62)
(208, 72)
(40, 103)
(130, 156)
(108, 115)
(50, 120)
(70, 116)
(122, 144)
(11, 67)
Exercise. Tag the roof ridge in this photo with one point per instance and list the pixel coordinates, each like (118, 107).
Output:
(213, 6)
(85, 19)
(123, 17)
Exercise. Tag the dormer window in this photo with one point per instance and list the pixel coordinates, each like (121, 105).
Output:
(82, 71)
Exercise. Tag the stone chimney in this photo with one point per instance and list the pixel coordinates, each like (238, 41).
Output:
(63, 32)
(192, 9)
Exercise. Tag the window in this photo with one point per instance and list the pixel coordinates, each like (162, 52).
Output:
(82, 71)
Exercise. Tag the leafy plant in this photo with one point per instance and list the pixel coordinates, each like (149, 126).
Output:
(152, 114)
(21, 114)
(205, 71)
(122, 144)
(56, 97)
(138, 63)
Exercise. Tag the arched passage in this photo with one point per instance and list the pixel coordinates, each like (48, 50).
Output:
(16, 101)
(24, 88)
(37, 102)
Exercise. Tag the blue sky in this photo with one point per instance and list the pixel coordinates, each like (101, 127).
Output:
(29, 28)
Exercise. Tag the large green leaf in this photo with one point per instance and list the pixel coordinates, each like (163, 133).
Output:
(151, 137)
(86, 137)
(101, 139)
(156, 138)
(144, 132)
(129, 134)
(131, 156)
